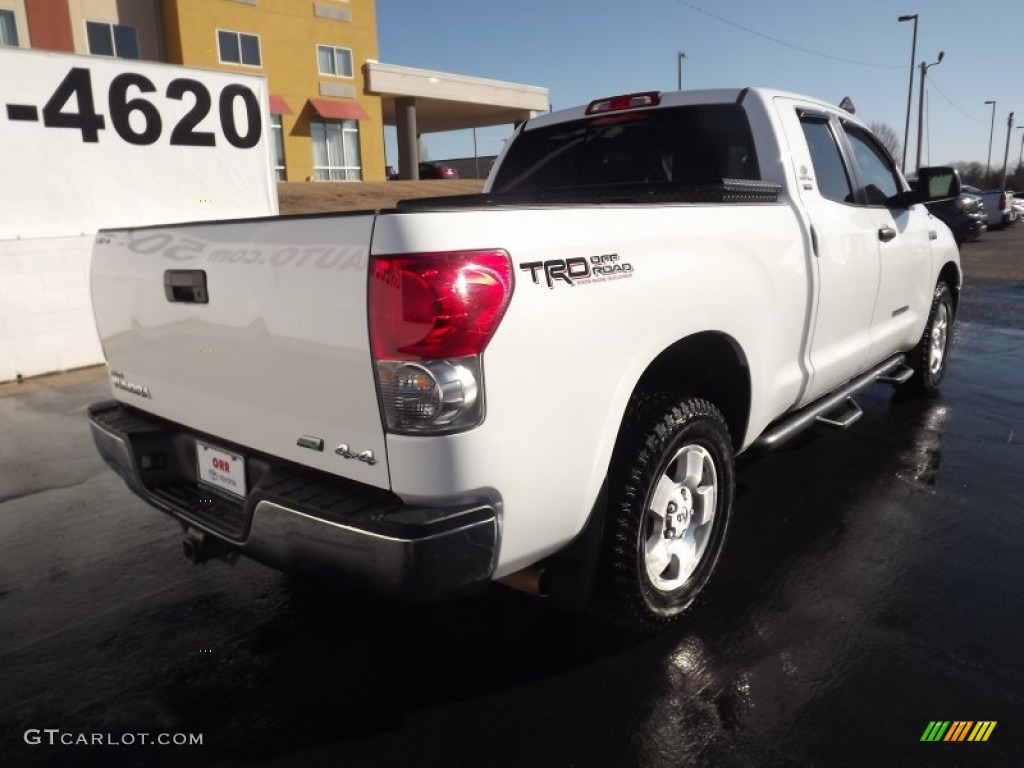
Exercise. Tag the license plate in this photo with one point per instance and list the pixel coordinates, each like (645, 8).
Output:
(221, 469)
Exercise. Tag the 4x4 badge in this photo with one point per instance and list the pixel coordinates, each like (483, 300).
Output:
(364, 456)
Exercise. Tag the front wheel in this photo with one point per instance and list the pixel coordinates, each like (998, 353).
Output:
(670, 500)
(930, 357)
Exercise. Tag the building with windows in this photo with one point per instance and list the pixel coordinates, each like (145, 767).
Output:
(330, 97)
(326, 125)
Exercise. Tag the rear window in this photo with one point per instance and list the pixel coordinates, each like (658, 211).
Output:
(701, 144)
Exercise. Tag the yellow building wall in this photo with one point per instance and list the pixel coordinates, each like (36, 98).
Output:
(289, 34)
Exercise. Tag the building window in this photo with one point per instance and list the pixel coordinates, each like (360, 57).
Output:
(336, 150)
(8, 28)
(278, 132)
(239, 48)
(107, 39)
(334, 61)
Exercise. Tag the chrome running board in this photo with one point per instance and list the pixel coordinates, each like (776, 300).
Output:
(850, 415)
(789, 426)
(900, 376)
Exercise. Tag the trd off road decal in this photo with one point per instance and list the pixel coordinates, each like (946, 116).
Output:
(578, 270)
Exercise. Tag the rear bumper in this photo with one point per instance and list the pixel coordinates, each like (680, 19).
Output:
(298, 519)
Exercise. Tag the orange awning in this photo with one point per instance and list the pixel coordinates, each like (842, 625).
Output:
(278, 106)
(339, 110)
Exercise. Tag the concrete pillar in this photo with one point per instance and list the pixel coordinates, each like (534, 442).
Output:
(408, 149)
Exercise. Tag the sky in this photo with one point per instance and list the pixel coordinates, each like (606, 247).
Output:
(584, 50)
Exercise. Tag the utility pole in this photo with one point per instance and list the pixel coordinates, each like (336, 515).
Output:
(1020, 160)
(1006, 156)
(679, 62)
(920, 103)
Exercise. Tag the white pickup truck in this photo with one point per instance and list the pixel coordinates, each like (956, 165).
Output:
(543, 385)
(999, 209)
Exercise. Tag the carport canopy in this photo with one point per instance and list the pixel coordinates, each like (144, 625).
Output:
(418, 101)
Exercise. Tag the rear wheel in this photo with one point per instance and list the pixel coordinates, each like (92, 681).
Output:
(670, 500)
(931, 355)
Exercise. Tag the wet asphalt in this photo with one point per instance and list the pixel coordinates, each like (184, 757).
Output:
(873, 582)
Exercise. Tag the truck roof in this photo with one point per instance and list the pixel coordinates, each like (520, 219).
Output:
(680, 98)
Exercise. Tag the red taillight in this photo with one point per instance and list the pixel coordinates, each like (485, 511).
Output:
(433, 306)
(1002, 202)
(628, 101)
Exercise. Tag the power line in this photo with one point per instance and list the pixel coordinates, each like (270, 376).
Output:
(935, 85)
(785, 43)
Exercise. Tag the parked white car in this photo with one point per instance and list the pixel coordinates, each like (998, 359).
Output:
(1018, 204)
(998, 206)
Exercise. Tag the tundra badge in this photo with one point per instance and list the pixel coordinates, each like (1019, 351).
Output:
(119, 381)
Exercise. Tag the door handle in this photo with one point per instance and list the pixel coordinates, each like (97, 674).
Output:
(885, 234)
(187, 286)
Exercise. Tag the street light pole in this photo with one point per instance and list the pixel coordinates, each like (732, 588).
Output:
(991, 128)
(680, 70)
(920, 103)
(910, 87)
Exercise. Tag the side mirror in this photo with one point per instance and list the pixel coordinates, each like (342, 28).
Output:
(939, 182)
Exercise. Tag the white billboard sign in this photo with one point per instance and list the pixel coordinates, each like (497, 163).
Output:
(92, 142)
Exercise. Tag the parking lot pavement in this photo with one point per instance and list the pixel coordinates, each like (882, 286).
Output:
(996, 256)
(872, 584)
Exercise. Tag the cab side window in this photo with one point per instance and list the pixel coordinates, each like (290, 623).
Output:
(875, 171)
(833, 180)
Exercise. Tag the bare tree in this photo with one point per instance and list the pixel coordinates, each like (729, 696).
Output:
(886, 134)
(972, 173)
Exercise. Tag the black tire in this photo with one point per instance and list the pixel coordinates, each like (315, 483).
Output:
(659, 429)
(930, 357)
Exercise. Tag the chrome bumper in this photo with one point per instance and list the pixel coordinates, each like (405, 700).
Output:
(297, 519)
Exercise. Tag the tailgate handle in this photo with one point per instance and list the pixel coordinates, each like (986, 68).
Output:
(186, 286)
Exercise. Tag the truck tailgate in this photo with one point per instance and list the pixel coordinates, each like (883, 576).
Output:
(252, 332)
